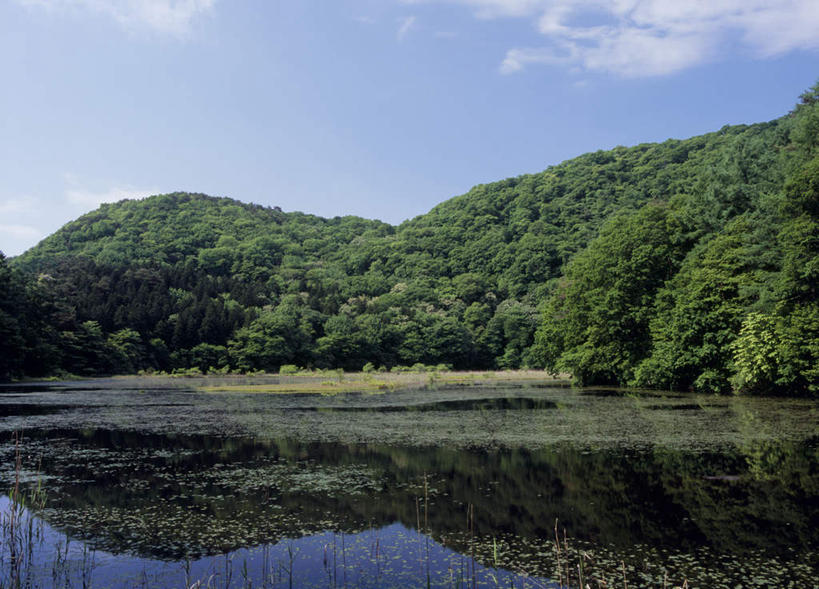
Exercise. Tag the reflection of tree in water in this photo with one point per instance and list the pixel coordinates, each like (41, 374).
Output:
(171, 496)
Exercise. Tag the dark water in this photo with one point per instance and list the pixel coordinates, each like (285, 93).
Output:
(156, 484)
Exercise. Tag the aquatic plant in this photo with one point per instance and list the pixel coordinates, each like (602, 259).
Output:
(20, 531)
(175, 475)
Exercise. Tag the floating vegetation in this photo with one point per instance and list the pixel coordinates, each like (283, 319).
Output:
(321, 388)
(396, 555)
(545, 414)
(658, 488)
(339, 382)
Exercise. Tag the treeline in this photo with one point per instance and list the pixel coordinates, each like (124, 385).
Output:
(87, 319)
(712, 290)
(685, 264)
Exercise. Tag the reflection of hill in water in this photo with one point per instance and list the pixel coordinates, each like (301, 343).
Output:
(531, 415)
(377, 557)
(171, 496)
(492, 404)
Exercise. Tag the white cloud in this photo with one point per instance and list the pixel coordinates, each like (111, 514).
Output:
(517, 59)
(174, 17)
(635, 38)
(90, 199)
(26, 219)
(21, 218)
(21, 232)
(18, 205)
(405, 26)
(494, 8)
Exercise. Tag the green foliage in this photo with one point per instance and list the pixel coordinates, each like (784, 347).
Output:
(209, 358)
(127, 350)
(277, 337)
(596, 325)
(799, 234)
(12, 308)
(755, 354)
(86, 351)
(650, 265)
(706, 295)
(798, 350)
(805, 131)
(697, 314)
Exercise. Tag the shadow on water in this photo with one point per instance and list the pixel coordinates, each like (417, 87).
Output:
(497, 404)
(142, 496)
(387, 556)
(182, 490)
(23, 409)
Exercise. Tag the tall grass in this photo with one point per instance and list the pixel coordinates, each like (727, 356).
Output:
(24, 556)
(26, 562)
(20, 531)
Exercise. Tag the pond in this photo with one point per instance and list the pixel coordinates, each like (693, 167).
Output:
(153, 482)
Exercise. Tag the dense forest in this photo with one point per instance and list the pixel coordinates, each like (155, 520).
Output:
(689, 264)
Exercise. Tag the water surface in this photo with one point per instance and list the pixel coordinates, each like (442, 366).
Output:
(159, 480)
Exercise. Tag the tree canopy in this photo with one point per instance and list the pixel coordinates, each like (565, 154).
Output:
(683, 264)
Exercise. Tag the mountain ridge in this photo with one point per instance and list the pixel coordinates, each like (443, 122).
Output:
(236, 285)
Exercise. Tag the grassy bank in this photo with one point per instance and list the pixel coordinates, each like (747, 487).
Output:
(335, 382)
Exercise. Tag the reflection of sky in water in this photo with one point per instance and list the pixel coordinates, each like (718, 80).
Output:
(717, 485)
(390, 556)
(490, 414)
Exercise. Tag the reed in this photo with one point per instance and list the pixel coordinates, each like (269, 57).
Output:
(21, 532)
(22, 537)
(341, 382)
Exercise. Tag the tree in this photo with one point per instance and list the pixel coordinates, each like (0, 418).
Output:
(12, 309)
(283, 335)
(756, 355)
(596, 325)
(127, 351)
(699, 312)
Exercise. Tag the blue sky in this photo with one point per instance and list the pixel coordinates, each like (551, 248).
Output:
(379, 108)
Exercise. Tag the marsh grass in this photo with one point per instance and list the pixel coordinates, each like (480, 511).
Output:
(326, 387)
(375, 382)
(23, 538)
(19, 530)
(478, 562)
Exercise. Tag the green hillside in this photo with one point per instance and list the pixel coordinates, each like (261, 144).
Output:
(685, 264)
(172, 228)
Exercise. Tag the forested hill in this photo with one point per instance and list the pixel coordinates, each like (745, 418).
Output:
(685, 264)
(172, 228)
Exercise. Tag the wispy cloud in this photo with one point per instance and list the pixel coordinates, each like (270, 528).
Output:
(635, 38)
(18, 205)
(404, 27)
(173, 17)
(92, 199)
(25, 232)
(21, 217)
(26, 219)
